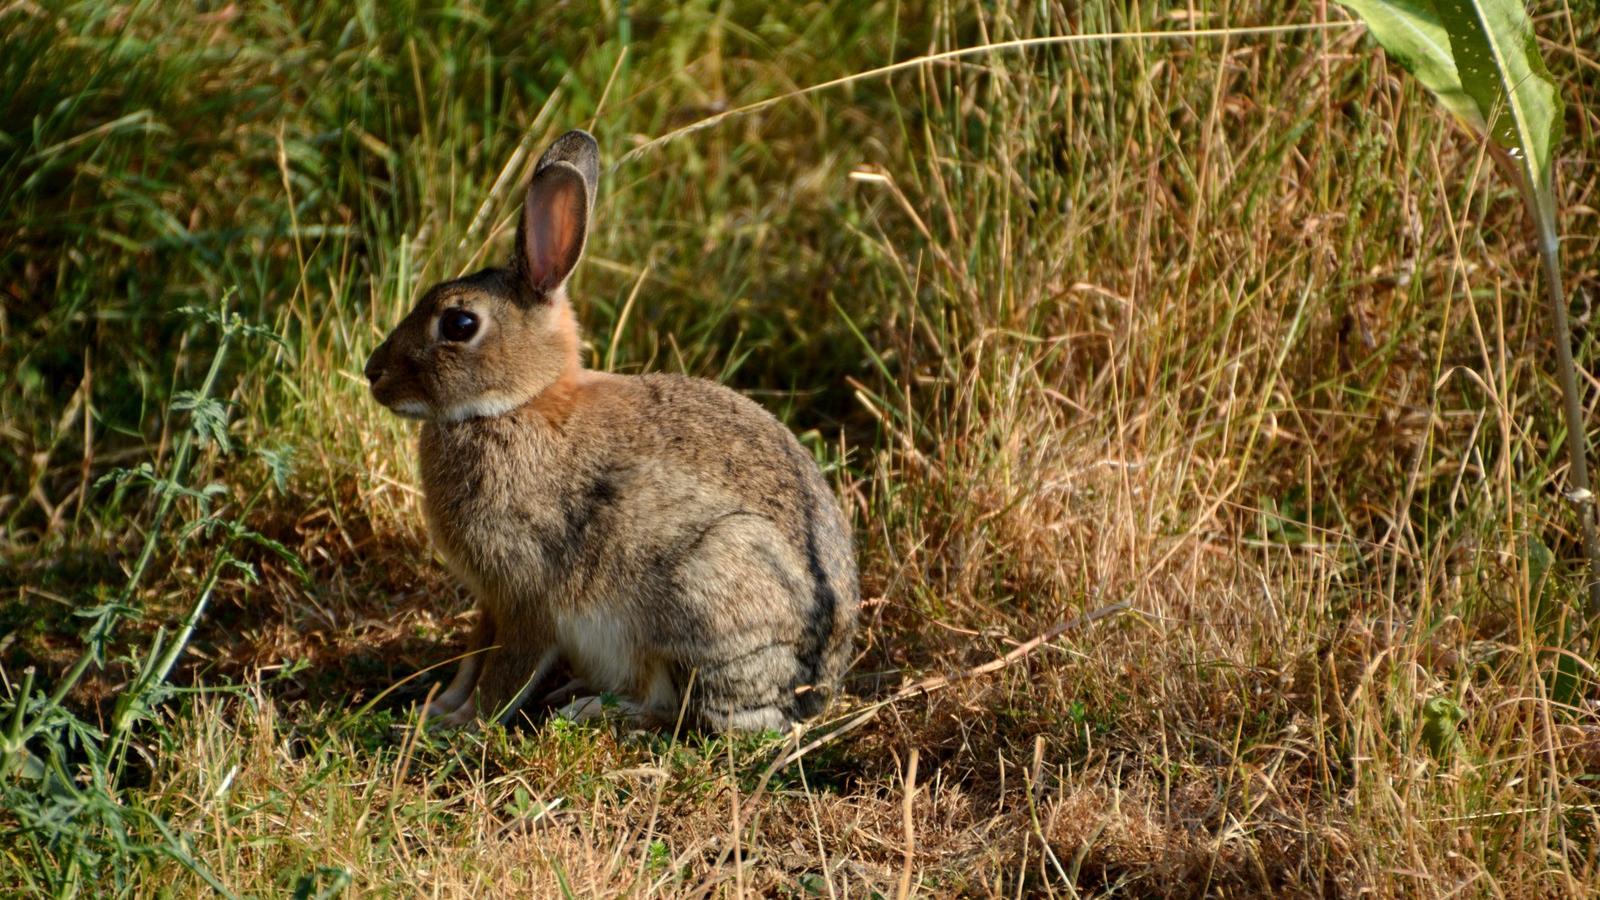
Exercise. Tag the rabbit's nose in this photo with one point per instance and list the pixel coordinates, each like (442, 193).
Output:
(374, 369)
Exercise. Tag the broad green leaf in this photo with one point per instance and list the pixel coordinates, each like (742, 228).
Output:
(1410, 33)
(1481, 59)
(1498, 59)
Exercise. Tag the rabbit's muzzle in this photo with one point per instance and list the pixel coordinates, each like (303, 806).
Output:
(387, 378)
(376, 364)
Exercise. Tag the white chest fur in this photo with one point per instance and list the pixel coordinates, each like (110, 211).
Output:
(600, 648)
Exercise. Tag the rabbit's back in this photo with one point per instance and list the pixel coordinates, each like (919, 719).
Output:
(729, 443)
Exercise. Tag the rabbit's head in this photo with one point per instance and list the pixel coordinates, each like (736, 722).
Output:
(489, 342)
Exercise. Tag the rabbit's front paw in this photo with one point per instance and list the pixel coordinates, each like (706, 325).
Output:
(443, 705)
(463, 715)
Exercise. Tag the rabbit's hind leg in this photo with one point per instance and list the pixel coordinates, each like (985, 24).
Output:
(748, 688)
(751, 720)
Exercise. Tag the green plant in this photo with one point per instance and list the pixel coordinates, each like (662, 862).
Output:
(55, 807)
(1481, 59)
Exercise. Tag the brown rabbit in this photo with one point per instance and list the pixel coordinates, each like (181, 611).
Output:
(661, 534)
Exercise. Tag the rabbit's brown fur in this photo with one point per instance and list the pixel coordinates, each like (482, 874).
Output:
(661, 534)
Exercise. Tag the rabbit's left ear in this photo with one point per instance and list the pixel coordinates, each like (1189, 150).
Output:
(555, 214)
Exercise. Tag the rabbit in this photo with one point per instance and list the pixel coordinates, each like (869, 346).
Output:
(664, 536)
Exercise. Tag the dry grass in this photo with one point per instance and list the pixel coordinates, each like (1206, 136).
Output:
(1234, 330)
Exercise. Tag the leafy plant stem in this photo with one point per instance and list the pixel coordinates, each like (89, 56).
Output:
(1577, 438)
(1481, 59)
(128, 707)
(14, 739)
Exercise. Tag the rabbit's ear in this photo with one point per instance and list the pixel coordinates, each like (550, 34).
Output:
(555, 215)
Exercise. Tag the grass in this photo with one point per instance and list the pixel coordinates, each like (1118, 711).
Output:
(1233, 329)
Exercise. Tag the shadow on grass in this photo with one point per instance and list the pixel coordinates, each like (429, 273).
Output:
(373, 620)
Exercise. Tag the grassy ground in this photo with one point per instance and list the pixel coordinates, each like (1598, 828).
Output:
(1235, 330)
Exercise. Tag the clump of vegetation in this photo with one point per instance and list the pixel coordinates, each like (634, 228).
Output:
(1206, 349)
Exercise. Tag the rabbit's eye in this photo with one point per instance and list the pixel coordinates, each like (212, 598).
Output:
(458, 325)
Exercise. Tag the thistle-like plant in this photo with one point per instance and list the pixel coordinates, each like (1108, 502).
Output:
(1481, 59)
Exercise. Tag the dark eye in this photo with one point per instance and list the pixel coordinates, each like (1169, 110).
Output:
(458, 325)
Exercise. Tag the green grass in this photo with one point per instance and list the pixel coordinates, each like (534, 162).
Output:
(1234, 329)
